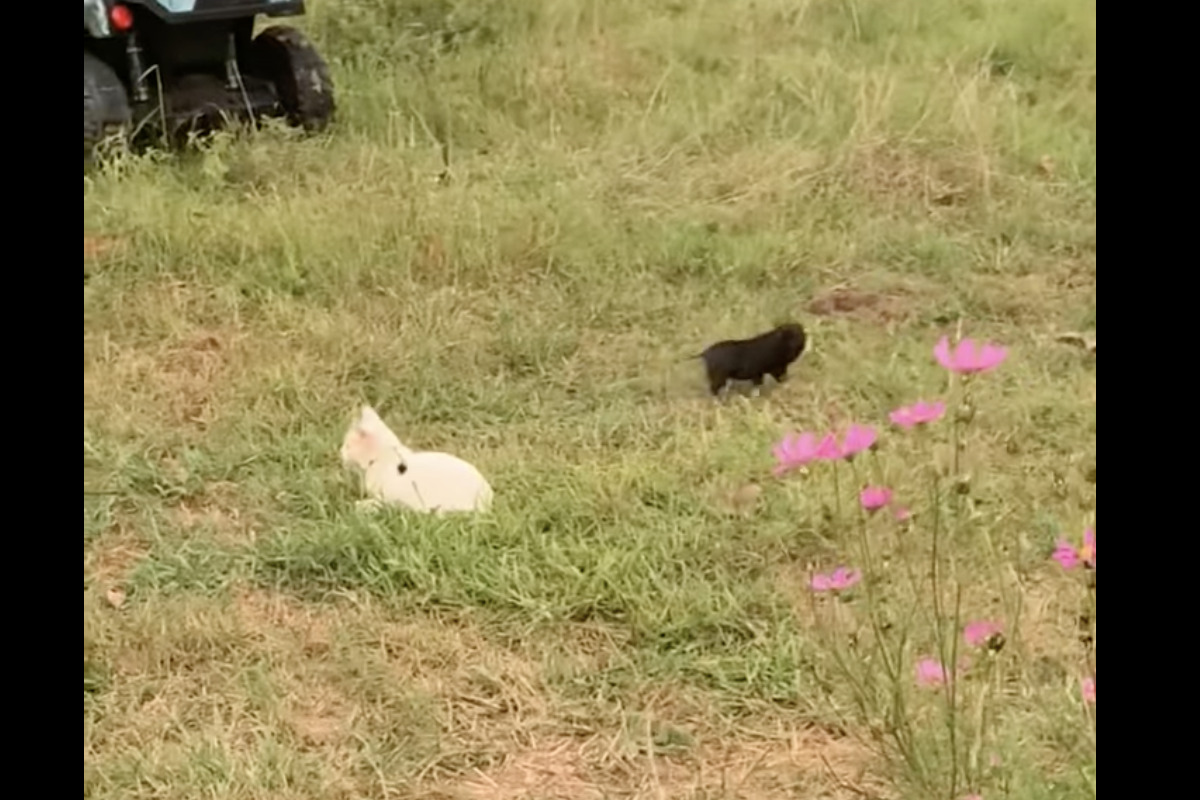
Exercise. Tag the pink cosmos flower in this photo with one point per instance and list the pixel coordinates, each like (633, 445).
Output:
(903, 514)
(874, 498)
(968, 357)
(794, 451)
(978, 633)
(918, 413)
(1088, 690)
(840, 579)
(1065, 554)
(1069, 557)
(930, 672)
(857, 439)
(828, 448)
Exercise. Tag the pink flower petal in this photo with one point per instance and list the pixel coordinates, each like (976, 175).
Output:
(930, 672)
(928, 412)
(903, 417)
(857, 439)
(968, 356)
(941, 351)
(964, 354)
(992, 356)
(806, 446)
(978, 633)
(840, 579)
(919, 413)
(1065, 555)
(874, 498)
(794, 451)
(782, 453)
(1088, 689)
(903, 514)
(828, 449)
(844, 578)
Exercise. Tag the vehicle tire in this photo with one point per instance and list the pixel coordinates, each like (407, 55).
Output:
(105, 105)
(285, 57)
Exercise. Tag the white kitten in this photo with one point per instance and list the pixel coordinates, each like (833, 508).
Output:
(396, 475)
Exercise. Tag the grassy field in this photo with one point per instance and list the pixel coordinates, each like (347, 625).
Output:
(525, 219)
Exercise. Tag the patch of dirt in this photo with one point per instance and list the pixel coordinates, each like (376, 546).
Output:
(870, 306)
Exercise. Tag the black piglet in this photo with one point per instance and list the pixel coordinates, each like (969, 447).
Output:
(770, 353)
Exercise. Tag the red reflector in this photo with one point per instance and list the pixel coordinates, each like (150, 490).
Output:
(122, 17)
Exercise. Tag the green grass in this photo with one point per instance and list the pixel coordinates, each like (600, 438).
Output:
(627, 182)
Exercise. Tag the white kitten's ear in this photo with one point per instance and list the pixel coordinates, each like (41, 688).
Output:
(368, 417)
(367, 445)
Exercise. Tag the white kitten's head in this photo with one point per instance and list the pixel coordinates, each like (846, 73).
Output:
(369, 440)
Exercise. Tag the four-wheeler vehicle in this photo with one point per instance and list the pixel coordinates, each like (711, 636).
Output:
(175, 66)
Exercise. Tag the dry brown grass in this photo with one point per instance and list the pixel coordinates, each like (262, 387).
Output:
(326, 682)
(747, 765)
